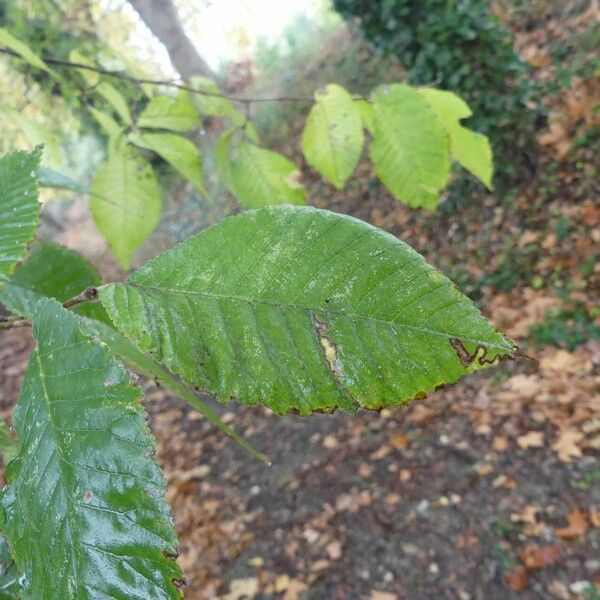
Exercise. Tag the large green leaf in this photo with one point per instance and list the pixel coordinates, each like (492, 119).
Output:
(410, 148)
(53, 271)
(125, 202)
(302, 309)
(333, 135)
(175, 113)
(472, 150)
(260, 177)
(19, 207)
(178, 151)
(85, 515)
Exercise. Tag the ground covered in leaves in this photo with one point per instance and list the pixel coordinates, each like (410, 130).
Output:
(489, 489)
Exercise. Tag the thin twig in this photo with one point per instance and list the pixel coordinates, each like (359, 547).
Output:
(88, 294)
(14, 322)
(160, 82)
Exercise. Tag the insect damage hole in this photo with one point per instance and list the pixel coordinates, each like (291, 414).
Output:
(330, 349)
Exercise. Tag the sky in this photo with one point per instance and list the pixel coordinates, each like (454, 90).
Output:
(222, 30)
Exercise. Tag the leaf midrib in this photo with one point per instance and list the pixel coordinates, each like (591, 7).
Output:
(308, 309)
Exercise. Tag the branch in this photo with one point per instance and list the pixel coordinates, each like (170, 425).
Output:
(87, 295)
(160, 82)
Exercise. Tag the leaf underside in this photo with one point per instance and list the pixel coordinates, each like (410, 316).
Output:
(301, 309)
(19, 207)
(333, 138)
(410, 149)
(85, 511)
(125, 203)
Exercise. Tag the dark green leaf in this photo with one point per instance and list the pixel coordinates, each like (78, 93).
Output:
(54, 271)
(19, 207)
(84, 505)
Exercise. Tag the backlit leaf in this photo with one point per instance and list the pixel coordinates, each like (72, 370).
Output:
(125, 202)
(410, 149)
(261, 177)
(472, 150)
(178, 151)
(23, 50)
(333, 135)
(175, 113)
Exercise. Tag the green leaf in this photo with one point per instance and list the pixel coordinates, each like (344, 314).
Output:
(175, 113)
(410, 149)
(24, 51)
(223, 160)
(142, 364)
(36, 135)
(302, 309)
(116, 100)
(19, 207)
(113, 130)
(53, 179)
(125, 203)
(84, 505)
(472, 150)
(9, 448)
(178, 151)
(213, 104)
(333, 138)
(261, 177)
(53, 271)
(365, 109)
(90, 77)
(9, 577)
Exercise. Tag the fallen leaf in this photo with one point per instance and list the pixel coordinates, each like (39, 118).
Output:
(566, 445)
(376, 595)
(595, 516)
(578, 525)
(527, 515)
(500, 443)
(399, 441)
(535, 557)
(334, 550)
(242, 588)
(503, 481)
(295, 588)
(532, 439)
(330, 442)
(516, 579)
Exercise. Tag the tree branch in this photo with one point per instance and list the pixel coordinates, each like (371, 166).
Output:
(159, 82)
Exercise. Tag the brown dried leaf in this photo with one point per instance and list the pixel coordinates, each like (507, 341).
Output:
(578, 525)
(516, 579)
(535, 557)
(532, 439)
(566, 446)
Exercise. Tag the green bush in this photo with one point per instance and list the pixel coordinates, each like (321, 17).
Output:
(458, 45)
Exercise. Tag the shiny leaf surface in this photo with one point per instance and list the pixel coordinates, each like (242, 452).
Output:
(84, 505)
